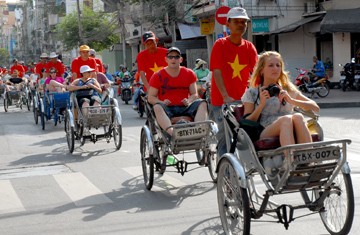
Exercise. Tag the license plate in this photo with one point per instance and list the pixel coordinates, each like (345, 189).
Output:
(99, 111)
(342, 78)
(316, 155)
(357, 77)
(190, 132)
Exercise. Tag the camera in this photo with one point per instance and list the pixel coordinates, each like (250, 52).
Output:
(273, 90)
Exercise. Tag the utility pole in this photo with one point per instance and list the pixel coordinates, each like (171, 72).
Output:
(120, 8)
(79, 22)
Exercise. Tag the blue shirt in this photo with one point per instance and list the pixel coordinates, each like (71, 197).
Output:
(109, 76)
(319, 69)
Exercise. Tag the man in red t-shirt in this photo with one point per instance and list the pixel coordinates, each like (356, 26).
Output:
(40, 68)
(83, 59)
(55, 63)
(150, 60)
(99, 63)
(232, 60)
(173, 92)
(17, 69)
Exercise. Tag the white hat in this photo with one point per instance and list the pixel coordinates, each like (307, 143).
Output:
(86, 68)
(126, 73)
(53, 55)
(199, 63)
(44, 55)
(237, 13)
(92, 52)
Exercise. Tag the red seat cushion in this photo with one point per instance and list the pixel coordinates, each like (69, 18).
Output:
(238, 112)
(174, 120)
(274, 142)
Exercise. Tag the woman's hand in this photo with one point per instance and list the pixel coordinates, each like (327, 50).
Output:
(264, 95)
(284, 97)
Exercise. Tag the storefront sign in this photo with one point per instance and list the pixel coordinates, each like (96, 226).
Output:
(207, 26)
(260, 25)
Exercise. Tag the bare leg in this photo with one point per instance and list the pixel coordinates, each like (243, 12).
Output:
(202, 112)
(162, 118)
(282, 127)
(84, 108)
(301, 129)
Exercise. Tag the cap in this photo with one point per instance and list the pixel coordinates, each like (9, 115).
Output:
(86, 68)
(237, 13)
(199, 63)
(84, 48)
(92, 52)
(126, 74)
(44, 55)
(171, 49)
(53, 55)
(147, 36)
(15, 60)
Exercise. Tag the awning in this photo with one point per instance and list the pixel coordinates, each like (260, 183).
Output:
(347, 20)
(294, 26)
(189, 31)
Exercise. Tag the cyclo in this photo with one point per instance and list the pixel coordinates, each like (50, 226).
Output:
(318, 171)
(82, 127)
(156, 147)
(16, 92)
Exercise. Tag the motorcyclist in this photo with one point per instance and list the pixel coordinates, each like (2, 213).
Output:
(318, 69)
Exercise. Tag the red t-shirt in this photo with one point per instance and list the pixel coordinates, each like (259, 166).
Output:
(19, 68)
(78, 62)
(151, 62)
(100, 67)
(60, 68)
(236, 63)
(26, 68)
(38, 67)
(174, 89)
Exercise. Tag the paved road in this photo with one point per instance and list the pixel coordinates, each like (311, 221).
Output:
(97, 190)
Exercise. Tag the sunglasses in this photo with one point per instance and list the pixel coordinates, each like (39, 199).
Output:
(52, 71)
(176, 57)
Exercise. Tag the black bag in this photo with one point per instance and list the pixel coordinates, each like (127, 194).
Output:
(85, 93)
(252, 128)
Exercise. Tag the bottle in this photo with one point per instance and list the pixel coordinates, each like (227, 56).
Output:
(171, 160)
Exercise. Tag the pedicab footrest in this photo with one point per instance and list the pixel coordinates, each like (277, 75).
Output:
(190, 136)
(98, 116)
(61, 99)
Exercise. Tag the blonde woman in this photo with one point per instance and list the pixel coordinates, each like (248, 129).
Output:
(271, 99)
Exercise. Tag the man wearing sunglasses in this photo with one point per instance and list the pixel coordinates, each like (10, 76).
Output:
(173, 92)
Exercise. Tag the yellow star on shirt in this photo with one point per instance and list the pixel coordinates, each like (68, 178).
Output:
(155, 68)
(237, 67)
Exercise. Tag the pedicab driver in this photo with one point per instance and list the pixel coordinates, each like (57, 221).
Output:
(173, 92)
(83, 59)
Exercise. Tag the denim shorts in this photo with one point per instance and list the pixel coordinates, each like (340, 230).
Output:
(176, 111)
(89, 99)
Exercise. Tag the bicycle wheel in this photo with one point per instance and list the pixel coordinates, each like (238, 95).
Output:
(117, 134)
(147, 161)
(28, 101)
(6, 102)
(324, 90)
(35, 112)
(233, 201)
(338, 213)
(42, 118)
(70, 136)
(212, 158)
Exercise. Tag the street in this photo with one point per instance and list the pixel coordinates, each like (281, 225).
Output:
(96, 190)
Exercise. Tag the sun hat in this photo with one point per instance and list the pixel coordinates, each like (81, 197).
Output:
(84, 48)
(92, 52)
(199, 63)
(53, 55)
(44, 55)
(237, 13)
(147, 36)
(86, 68)
(171, 49)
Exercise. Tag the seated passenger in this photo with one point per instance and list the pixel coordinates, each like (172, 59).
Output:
(173, 92)
(54, 83)
(273, 108)
(88, 89)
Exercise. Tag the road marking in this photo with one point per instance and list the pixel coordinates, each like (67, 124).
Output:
(33, 171)
(80, 190)
(164, 181)
(9, 201)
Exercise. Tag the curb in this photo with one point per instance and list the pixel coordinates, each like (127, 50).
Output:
(339, 105)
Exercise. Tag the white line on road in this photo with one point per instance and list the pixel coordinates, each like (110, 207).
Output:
(9, 201)
(80, 190)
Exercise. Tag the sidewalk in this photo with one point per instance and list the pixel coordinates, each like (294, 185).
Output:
(338, 99)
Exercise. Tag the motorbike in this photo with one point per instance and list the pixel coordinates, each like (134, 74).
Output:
(126, 89)
(350, 76)
(140, 101)
(305, 83)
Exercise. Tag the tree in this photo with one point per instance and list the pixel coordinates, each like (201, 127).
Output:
(4, 56)
(99, 32)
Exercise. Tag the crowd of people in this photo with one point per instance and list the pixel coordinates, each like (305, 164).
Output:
(236, 72)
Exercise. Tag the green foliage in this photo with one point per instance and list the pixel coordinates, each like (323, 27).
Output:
(4, 56)
(97, 29)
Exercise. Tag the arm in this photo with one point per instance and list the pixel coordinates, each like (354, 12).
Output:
(300, 101)
(144, 80)
(153, 96)
(252, 112)
(221, 86)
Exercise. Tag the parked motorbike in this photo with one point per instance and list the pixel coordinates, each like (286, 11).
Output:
(126, 87)
(350, 76)
(305, 83)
